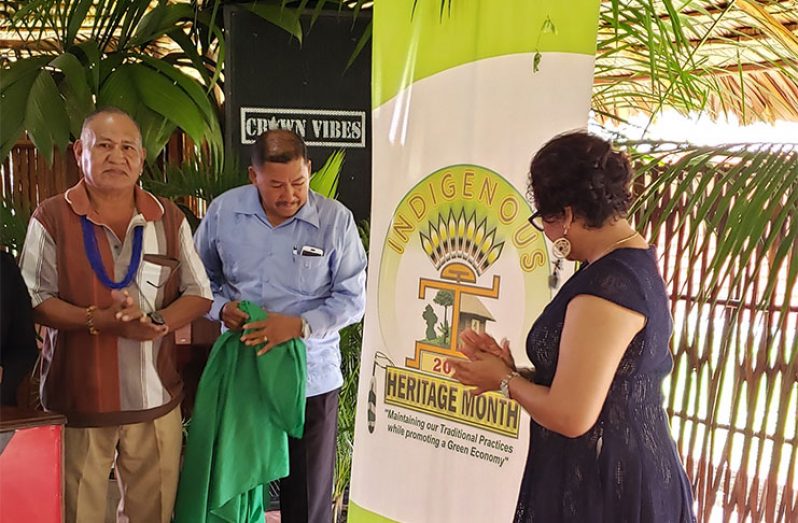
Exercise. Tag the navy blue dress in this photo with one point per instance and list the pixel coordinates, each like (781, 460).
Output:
(626, 467)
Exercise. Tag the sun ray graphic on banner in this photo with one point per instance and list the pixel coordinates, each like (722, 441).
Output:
(461, 237)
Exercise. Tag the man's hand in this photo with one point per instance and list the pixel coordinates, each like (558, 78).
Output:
(276, 329)
(126, 320)
(124, 308)
(144, 330)
(233, 317)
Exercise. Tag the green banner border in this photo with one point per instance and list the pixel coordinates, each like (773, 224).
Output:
(357, 514)
(412, 45)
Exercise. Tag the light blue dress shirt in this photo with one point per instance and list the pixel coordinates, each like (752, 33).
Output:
(246, 258)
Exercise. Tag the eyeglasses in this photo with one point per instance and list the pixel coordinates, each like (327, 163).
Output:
(536, 221)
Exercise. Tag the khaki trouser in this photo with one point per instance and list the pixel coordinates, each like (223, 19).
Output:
(146, 460)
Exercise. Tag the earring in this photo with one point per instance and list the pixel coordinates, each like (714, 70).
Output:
(561, 247)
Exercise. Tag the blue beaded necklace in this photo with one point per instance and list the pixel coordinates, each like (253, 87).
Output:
(93, 254)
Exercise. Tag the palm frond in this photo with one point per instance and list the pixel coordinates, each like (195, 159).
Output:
(695, 56)
(325, 180)
(738, 205)
(198, 177)
(281, 16)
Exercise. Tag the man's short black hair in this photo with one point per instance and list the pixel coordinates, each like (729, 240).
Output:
(278, 146)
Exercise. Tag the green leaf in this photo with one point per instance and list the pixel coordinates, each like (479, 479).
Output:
(159, 87)
(108, 65)
(317, 11)
(364, 39)
(325, 180)
(150, 26)
(164, 96)
(77, 18)
(359, 6)
(120, 22)
(638, 42)
(76, 91)
(155, 131)
(119, 90)
(190, 50)
(46, 119)
(284, 18)
(201, 176)
(31, 7)
(8, 142)
(211, 22)
(21, 69)
(190, 86)
(220, 52)
(212, 133)
(91, 53)
(160, 21)
(12, 106)
(673, 14)
(734, 205)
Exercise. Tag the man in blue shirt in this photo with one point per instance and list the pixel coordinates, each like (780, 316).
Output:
(298, 255)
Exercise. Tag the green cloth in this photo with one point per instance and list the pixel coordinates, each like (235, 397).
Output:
(246, 407)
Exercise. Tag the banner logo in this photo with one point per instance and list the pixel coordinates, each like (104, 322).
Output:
(461, 239)
(318, 127)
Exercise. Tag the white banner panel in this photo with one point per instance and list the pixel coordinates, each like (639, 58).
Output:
(462, 101)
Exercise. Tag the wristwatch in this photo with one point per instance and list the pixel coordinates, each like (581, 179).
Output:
(156, 318)
(504, 385)
(305, 328)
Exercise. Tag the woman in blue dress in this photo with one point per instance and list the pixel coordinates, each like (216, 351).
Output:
(600, 444)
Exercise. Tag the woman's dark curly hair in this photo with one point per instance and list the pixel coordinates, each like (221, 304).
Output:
(582, 171)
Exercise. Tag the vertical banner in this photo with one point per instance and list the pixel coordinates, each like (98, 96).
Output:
(462, 97)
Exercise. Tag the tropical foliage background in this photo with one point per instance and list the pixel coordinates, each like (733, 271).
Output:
(724, 217)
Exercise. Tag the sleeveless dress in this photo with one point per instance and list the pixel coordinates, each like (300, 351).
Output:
(626, 467)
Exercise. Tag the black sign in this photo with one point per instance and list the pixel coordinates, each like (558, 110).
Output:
(272, 80)
(318, 127)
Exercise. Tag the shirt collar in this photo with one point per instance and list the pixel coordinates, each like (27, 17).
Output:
(308, 213)
(77, 197)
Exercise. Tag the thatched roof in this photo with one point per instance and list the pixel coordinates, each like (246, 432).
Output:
(737, 57)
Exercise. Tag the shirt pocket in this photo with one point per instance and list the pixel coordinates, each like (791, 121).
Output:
(152, 278)
(313, 275)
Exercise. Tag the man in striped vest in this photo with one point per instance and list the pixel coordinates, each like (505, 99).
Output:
(112, 272)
